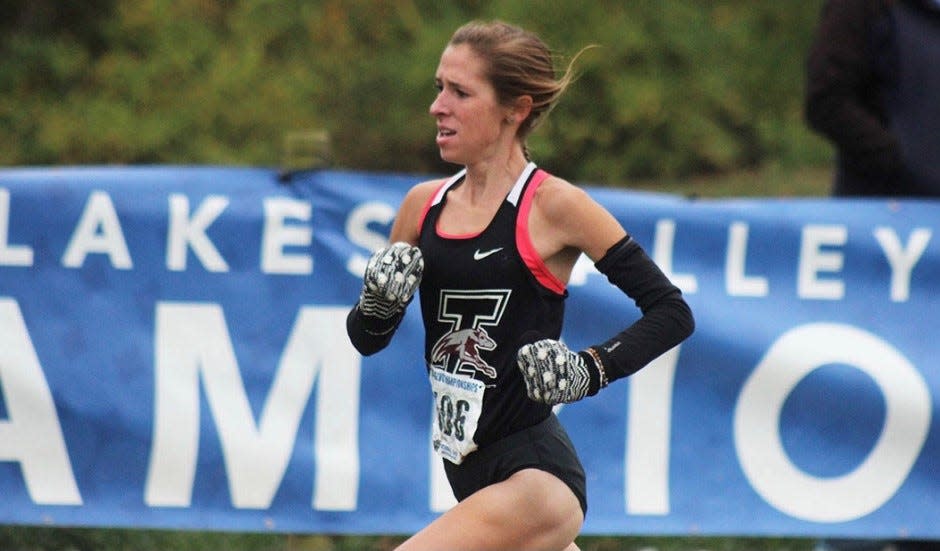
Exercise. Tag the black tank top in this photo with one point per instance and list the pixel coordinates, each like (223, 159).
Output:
(480, 295)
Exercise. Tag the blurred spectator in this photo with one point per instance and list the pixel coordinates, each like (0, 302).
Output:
(873, 90)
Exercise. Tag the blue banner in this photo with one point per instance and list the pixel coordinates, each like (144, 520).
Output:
(173, 355)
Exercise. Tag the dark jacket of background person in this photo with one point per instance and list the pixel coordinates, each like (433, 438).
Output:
(873, 90)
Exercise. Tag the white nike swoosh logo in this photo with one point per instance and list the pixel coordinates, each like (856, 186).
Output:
(477, 255)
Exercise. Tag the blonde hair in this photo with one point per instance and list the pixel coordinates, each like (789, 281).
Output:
(519, 64)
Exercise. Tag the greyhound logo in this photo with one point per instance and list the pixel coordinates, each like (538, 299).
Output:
(465, 344)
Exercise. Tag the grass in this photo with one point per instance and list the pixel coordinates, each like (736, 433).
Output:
(772, 181)
(89, 539)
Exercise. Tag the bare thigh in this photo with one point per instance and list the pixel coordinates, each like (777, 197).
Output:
(532, 509)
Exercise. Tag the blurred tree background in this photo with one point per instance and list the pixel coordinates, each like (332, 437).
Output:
(676, 89)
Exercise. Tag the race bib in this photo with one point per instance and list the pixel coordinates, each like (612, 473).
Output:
(458, 401)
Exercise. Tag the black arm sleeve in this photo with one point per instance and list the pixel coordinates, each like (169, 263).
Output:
(666, 321)
(370, 334)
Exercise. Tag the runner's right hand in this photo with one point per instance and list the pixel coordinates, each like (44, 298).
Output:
(391, 278)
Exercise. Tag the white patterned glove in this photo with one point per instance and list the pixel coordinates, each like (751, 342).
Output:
(392, 277)
(554, 374)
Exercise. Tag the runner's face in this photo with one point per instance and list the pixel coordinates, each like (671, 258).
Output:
(469, 117)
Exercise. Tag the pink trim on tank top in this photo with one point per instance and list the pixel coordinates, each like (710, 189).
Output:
(430, 203)
(524, 241)
(446, 235)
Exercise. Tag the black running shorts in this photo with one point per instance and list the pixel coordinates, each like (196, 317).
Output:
(544, 446)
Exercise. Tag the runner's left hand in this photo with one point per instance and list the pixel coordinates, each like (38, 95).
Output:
(553, 373)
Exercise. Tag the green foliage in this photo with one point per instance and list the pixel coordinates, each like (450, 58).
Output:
(674, 89)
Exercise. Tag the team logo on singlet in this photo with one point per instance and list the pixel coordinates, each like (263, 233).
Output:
(465, 345)
(459, 350)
